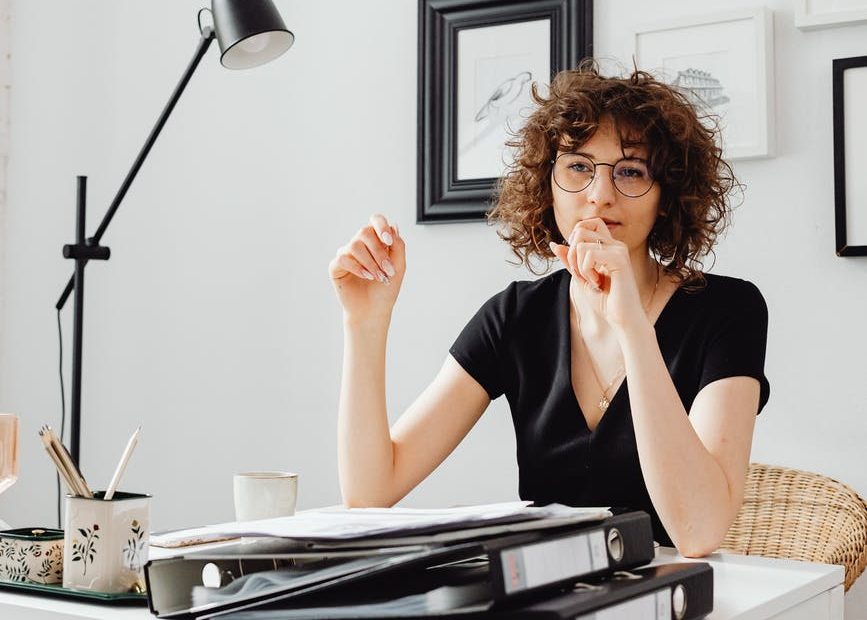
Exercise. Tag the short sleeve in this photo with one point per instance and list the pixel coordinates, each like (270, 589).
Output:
(736, 347)
(480, 345)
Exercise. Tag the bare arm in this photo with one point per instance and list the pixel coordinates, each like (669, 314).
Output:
(695, 467)
(378, 466)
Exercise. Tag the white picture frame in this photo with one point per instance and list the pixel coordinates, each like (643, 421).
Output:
(816, 14)
(725, 63)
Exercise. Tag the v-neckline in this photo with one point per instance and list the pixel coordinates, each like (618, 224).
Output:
(616, 396)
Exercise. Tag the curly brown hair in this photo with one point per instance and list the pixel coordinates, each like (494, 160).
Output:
(683, 157)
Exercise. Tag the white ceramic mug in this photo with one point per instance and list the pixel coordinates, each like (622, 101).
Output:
(106, 542)
(265, 494)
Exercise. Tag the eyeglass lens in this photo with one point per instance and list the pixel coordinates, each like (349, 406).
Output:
(574, 173)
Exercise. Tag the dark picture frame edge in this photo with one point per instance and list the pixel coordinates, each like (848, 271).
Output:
(840, 65)
(441, 197)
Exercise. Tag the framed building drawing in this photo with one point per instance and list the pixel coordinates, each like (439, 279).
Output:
(724, 64)
(477, 62)
(850, 155)
(815, 14)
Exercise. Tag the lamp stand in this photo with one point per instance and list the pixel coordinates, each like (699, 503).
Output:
(86, 249)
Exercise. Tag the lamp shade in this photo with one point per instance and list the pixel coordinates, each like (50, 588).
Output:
(249, 32)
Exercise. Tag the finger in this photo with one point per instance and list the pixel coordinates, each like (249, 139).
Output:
(358, 249)
(344, 265)
(582, 234)
(397, 254)
(573, 234)
(576, 250)
(376, 249)
(596, 224)
(575, 256)
(382, 228)
(572, 256)
(590, 259)
(561, 252)
(605, 260)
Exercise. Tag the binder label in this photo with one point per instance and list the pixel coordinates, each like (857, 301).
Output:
(655, 606)
(598, 550)
(548, 562)
(514, 573)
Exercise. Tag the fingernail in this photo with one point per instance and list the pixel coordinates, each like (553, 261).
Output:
(383, 278)
(388, 268)
(552, 245)
(386, 238)
(367, 275)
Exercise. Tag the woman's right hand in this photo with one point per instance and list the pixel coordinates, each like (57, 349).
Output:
(367, 272)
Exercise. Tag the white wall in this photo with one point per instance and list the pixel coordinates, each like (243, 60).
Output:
(783, 240)
(214, 325)
(4, 127)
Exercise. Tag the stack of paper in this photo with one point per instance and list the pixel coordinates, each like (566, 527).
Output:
(384, 526)
(495, 561)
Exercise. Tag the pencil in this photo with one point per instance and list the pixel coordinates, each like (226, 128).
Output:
(121, 466)
(69, 465)
(55, 458)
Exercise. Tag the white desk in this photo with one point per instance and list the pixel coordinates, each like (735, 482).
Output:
(745, 588)
(754, 588)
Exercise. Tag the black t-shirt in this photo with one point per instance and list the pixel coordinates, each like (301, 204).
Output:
(519, 344)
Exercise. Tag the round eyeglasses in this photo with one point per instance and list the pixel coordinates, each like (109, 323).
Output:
(574, 173)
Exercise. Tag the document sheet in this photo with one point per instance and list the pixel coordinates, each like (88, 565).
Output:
(337, 525)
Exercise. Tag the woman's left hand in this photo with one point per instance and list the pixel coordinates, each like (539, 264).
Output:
(601, 264)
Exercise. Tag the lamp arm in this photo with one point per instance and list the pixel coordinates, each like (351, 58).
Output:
(85, 250)
(204, 42)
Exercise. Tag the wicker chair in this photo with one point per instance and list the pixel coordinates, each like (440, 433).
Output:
(800, 515)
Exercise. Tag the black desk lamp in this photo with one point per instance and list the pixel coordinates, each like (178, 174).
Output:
(250, 33)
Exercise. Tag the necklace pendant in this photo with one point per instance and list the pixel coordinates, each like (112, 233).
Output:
(603, 403)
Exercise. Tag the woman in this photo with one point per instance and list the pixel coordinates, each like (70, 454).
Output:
(619, 181)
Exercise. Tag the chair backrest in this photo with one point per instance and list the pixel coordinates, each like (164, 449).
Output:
(788, 513)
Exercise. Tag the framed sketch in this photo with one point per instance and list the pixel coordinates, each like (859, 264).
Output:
(724, 63)
(850, 155)
(815, 14)
(477, 61)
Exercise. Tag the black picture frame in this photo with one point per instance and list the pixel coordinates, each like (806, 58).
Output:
(442, 197)
(840, 66)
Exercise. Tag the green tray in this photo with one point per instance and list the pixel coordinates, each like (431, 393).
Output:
(44, 589)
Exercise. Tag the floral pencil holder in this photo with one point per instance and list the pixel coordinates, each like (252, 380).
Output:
(31, 555)
(106, 543)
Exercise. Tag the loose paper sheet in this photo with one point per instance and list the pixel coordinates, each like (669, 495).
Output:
(348, 524)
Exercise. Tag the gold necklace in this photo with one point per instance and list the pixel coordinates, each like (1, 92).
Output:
(604, 399)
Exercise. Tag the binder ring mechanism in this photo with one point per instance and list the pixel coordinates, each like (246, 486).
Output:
(215, 577)
(678, 601)
(615, 544)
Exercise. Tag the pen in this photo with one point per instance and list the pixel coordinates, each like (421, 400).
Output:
(115, 479)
